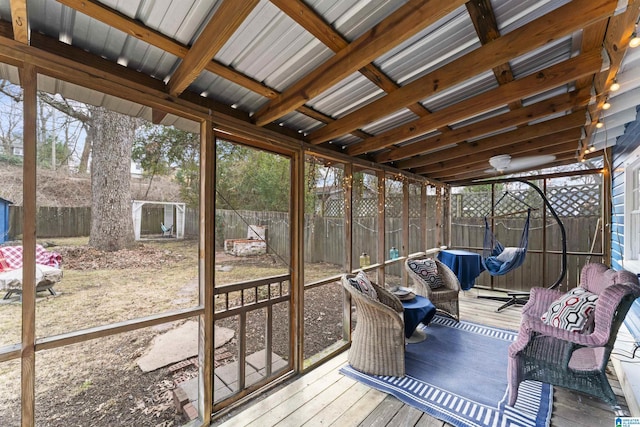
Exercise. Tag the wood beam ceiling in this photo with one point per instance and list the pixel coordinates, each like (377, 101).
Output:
(148, 35)
(556, 24)
(539, 110)
(225, 21)
(404, 146)
(559, 142)
(549, 78)
(456, 156)
(398, 27)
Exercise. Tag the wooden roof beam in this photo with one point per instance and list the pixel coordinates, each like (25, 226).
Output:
(560, 142)
(561, 160)
(556, 24)
(549, 78)
(559, 103)
(148, 35)
(20, 21)
(484, 21)
(541, 129)
(398, 27)
(226, 20)
(316, 25)
(616, 43)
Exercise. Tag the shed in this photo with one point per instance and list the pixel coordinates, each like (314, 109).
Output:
(4, 219)
(176, 224)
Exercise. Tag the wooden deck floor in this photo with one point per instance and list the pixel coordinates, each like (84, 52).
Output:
(324, 397)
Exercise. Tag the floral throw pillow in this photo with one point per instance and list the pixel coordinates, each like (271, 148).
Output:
(427, 269)
(362, 283)
(574, 311)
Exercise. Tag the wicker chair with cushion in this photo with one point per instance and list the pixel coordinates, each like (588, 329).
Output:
(378, 342)
(434, 280)
(565, 339)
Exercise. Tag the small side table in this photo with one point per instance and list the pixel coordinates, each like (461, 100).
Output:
(416, 310)
(464, 264)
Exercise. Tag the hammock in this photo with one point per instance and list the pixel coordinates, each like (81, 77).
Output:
(498, 259)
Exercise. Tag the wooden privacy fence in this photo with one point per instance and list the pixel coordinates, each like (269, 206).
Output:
(581, 233)
(324, 236)
(76, 221)
(53, 221)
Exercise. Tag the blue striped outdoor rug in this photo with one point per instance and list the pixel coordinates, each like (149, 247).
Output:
(459, 375)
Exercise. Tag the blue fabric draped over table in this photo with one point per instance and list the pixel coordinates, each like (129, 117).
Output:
(416, 310)
(466, 265)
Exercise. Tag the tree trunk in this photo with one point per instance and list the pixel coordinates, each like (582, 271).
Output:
(111, 221)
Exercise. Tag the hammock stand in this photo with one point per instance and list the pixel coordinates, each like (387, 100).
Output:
(522, 297)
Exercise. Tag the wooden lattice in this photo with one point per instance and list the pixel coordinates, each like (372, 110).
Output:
(567, 201)
(368, 207)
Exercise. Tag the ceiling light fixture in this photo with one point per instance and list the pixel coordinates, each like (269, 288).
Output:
(606, 105)
(614, 86)
(599, 124)
(500, 162)
(635, 40)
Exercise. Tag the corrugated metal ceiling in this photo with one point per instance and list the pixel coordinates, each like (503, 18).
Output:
(276, 51)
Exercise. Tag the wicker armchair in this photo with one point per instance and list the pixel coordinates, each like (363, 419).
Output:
(377, 344)
(566, 358)
(444, 298)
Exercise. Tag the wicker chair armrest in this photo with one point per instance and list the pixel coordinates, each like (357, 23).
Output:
(535, 325)
(388, 299)
(539, 301)
(449, 278)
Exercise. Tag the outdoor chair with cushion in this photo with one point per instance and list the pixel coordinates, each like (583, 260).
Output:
(378, 341)
(434, 280)
(565, 339)
(166, 231)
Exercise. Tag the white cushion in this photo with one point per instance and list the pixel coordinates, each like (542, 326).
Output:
(508, 254)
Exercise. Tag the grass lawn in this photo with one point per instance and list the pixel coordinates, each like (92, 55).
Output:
(98, 382)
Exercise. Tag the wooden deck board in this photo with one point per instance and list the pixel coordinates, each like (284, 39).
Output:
(324, 397)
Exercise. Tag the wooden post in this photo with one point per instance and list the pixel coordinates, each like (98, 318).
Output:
(607, 208)
(381, 255)
(404, 246)
(348, 217)
(206, 263)
(297, 258)
(29, 87)
(348, 249)
(424, 224)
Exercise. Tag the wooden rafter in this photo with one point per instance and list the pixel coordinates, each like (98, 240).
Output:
(553, 26)
(141, 32)
(549, 78)
(398, 27)
(517, 117)
(313, 23)
(484, 21)
(556, 24)
(19, 21)
(502, 141)
(565, 159)
(226, 20)
(616, 42)
(555, 143)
